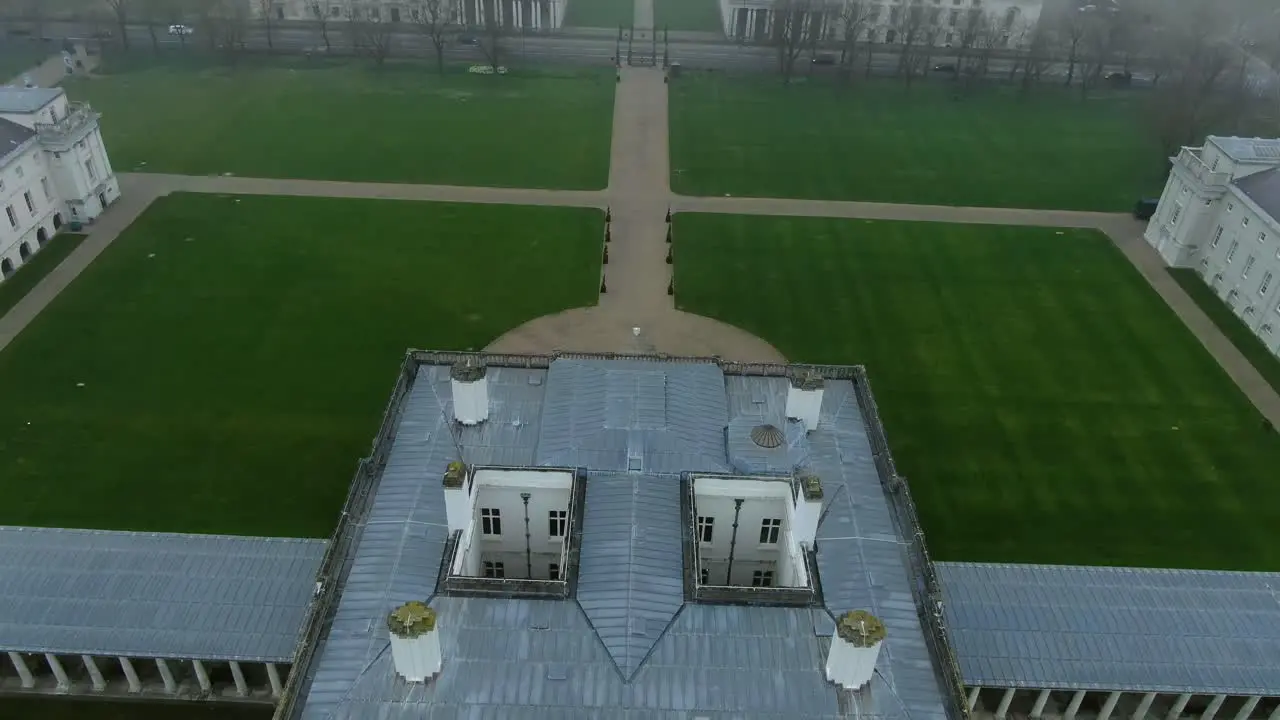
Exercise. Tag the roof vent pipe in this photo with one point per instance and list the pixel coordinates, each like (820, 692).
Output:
(804, 398)
(470, 392)
(415, 642)
(855, 647)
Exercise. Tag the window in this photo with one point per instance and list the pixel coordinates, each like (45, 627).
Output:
(375, 13)
(706, 528)
(1266, 284)
(1217, 235)
(1214, 167)
(705, 576)
(1231, 251)
(1231, 207)
(1244, 222)
(335, 11)
(890, 35)
(31, 205)
(553, 571)
(769, 530)
(1268, 329)
(44, 187)
(494, 569)
(1262, 237)
(953, 18)
(490, 521)
(92, 169)
(1177, 213)
(762, 578)
(13, 217)
(19, 171)
(1185, 189)
(279, 13)
(557, 521)
(1248, 265)
(395, 14)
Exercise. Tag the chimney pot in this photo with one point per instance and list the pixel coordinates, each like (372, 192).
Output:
(470, 383)
(855, 647)
(804, 398)
(415, 642)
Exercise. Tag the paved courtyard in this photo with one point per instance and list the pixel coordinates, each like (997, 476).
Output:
(635, 313)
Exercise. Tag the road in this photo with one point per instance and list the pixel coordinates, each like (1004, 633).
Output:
(573, 46)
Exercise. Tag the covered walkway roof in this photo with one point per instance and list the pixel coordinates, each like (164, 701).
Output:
(204, 597)
(1127, 629)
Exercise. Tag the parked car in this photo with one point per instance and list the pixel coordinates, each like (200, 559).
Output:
(102, 35)
(19, 32)
(944, 67)
(824, 59)
(471, 40)
(1145, 208)
(1120, 79)
(180, 30)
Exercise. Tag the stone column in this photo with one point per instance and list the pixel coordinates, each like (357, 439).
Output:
(273, 676)
(202, 675)
(1109, 706)
(1074, 706)
(1247, 709)
(1002, 710)
(1037, 710)
(55, 665)
(1275, 714)
(1178, 706)
(1214, 706)
(242, 688)
(126, 665)
(973, 697)
(24, 672)
(170, 686)
(1144, 706)
(95, 675)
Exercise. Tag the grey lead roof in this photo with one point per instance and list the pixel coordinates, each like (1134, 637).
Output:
(26, 100)
(1263, 189)
(627, 646)
(1128, 629)
(207, 597)
(13, 136)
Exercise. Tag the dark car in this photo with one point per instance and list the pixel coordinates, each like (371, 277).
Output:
(102, 35)
(20, 32)
(1145, 208)
(824, 59)
(468, 40)
(1120, 79)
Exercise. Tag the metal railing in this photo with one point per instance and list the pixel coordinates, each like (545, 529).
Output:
(1190, 159)
(925, 587)
(78, 115)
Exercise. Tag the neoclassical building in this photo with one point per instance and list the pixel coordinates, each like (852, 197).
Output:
(513, 14)
(1219, 214)
(54, 170)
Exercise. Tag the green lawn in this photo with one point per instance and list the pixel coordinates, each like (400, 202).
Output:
(45, 708)
(1262, 359)
(1044, 403)
(879, 141)
(18, 54)
(33, 271)
(236, 354)
(701, 15)
(348, 121)
(599, 13)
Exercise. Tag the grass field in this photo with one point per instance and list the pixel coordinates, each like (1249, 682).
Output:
(599, 13)
(879, 141)
(1044, 403)
(1267, 364)
(350, 122)
(34, 270)
(45, 708)
(703, 15)
(20, 54)
(232, 380)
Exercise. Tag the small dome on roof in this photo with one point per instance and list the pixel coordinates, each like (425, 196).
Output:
(768, 436)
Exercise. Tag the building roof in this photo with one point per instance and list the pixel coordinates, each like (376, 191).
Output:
(13, 136)
(1127, 629)
(1263, 189)
(27, 100)
(628, 644)
(97, 592)
(1248, 150)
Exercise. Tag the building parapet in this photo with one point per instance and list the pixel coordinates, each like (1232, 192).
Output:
(66, 129)
(1189, 159)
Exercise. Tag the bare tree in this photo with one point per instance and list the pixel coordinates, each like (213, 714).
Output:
(370, 36)
(855, 17)
(1072, 29)
(1037, 56)
(491, 40)
(266, 12)
(791, 33)
(435, 19)
(120, 9)
(971, 26)
(321, 16)
(913, 32)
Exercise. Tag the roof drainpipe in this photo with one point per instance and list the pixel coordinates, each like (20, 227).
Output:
(807, 510)
(415, 642)
(470, 383)
(855, 647)
(804, 398)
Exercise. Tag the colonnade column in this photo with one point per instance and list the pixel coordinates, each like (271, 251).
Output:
(1214, 706)
(202, 675)
(1109, 706)
(55, 665)
(24, 672)
(135, 685)
(1074, 706)
(242, 688)
(95, 675)
(1002, 710)
(273, 675)
(973, 698)
(170, 686)
(1247, 709)
(1178, 706)
(1144, 706)
(1037, 710)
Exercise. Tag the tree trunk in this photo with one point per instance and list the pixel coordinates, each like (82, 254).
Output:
(439, 43)
(271, 45)
(1071, 64)
(155, 41)
(124, 30)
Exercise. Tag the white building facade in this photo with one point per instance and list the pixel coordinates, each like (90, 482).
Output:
(528, 15)
(54, 170)
(1218, 214)
(937, 22)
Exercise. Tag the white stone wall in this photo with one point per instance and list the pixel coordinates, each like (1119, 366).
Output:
(532, 14)
(714, 498)
(500, 490)
(23, 182)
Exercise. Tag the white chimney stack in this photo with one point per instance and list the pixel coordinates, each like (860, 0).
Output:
(804, 398)
(470, 392)
(458, 503)
(808, 508)
(855, 647)
(415, 642)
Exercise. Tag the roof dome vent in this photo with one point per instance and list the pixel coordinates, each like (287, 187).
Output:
(768, 436)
